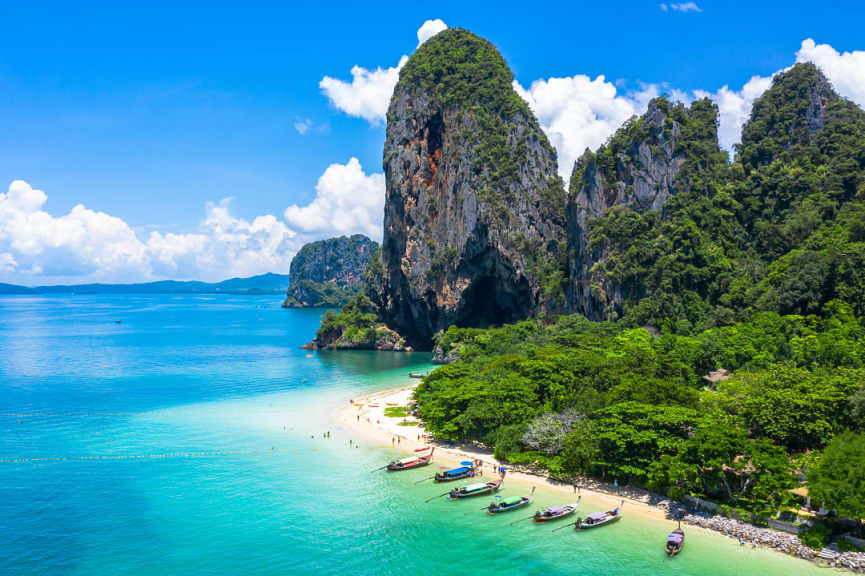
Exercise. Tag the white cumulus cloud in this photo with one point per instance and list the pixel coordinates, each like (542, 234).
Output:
(429, 29)
(734, 107)
(845, 70)
(7, 263)
(577, 112)
(347, 201)
(83, 242)
(224, 246)
(368, 94)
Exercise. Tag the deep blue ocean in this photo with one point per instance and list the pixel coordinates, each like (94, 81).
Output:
(185, 435)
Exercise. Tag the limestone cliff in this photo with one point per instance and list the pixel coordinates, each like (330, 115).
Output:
(640, 168)
(474, 213)
(329, 273)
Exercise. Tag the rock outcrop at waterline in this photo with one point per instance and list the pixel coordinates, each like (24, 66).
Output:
(329, 273)
(356, 327)
(474, 212)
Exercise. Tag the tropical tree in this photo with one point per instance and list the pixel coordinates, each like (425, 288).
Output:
(838, 478)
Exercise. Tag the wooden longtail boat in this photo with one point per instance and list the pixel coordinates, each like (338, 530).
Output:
(675, 542)
(465, 471)
(596, 519)
(511, 503)
(555, 513)
(410, 462)
(475, 489)
(417, 374)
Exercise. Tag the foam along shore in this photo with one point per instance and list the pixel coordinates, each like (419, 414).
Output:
(365, 417)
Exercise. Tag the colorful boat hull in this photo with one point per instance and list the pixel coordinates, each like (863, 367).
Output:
(468, 492)
(409, 463)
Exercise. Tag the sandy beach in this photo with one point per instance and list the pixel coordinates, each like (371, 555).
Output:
(365, 418)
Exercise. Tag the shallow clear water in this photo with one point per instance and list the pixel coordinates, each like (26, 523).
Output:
(212, 460)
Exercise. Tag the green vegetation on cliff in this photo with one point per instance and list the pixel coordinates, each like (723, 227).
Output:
(779, 229)
(329, 273)
(356, 326)
(754, 266)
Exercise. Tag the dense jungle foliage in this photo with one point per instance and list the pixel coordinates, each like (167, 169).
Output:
(756, 266)
(781, 228)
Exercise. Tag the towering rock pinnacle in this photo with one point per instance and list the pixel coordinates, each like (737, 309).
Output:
(474, 213)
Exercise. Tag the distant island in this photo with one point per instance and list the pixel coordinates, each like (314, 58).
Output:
(263, 284)
(329, 273)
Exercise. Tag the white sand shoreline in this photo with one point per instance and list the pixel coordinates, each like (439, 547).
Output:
(370, 423)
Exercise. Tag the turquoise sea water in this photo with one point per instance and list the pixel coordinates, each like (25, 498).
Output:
(182, 377)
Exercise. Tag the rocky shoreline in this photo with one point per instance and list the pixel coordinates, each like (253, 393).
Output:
(780, 541)
(748, 533)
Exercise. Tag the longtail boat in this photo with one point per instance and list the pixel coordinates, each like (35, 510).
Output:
(675, 542)
(511, 503)
(476, 489)
(410, 462)
(596, 519)
(555, 513)
(465, 471)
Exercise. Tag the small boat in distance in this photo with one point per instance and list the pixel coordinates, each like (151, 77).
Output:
(417, 374)
(596, 519)
(555, 513)
(675, 542)
(476, 489)
(467, 470)
(510, 503)
(410, 462)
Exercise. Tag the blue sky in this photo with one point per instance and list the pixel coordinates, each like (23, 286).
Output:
(147, 114)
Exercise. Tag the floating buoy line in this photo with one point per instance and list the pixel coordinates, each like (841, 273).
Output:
(209, 454)
(87, 414)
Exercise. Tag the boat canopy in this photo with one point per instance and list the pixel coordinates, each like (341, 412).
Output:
(456, 471)
(512, 500)
(473, 487)
(409, 460)
(555, 509)
(674, 538)
(595, 516)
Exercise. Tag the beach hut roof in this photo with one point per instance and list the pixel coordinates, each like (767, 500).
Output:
(717, 375)
(800, 491)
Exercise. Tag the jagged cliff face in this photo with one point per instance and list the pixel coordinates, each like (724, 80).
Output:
(474, 218)
(329, 272)
(639, 169)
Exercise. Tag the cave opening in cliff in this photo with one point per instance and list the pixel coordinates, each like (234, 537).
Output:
(487, 302)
